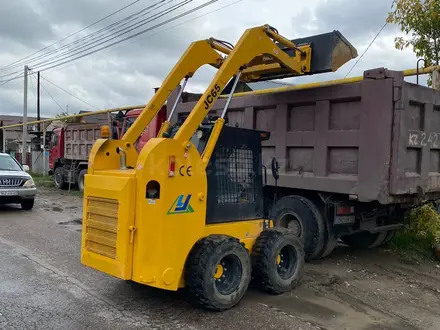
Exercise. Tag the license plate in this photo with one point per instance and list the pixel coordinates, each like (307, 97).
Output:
(343, 220)
(8, 193)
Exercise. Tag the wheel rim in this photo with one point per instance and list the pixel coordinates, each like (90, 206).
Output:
(81, 182)
(228, 274)
(291, 221)
(58, 179)
(286, 261)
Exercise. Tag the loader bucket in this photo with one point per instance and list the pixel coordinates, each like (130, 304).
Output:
(329, 52)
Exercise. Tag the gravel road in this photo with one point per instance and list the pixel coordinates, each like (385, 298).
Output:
(44, 286)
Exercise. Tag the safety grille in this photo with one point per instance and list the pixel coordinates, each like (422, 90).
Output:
(102, 226)
(236, 176)
(235, 187)
(10, 182)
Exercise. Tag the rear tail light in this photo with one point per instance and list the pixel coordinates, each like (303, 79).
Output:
(171, 165)
(344, 210)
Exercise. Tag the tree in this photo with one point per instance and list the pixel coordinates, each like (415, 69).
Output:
(420, 21)
(69, 120)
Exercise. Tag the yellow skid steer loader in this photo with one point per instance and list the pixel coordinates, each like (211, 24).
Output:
(187, 211)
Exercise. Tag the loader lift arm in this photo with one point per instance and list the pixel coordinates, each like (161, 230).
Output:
(254, 53)
(198, 54)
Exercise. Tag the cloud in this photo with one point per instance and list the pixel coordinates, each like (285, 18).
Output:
(24, 25)
(127, 73)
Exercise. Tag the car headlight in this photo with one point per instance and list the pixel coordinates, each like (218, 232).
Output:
(29, 184)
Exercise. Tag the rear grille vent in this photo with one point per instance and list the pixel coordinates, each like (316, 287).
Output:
(102, 226)
(10, 182)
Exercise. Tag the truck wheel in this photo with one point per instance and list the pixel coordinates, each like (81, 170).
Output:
(277, 260)
(331, 243)
(80, 179)
(364, 240)
(27, 204)
(303, 217)
(389, 237)
(218, 272)
(58, 178)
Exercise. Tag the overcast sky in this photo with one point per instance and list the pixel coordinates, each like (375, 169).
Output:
(126, 74)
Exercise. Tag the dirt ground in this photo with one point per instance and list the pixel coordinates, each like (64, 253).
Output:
(372, 289)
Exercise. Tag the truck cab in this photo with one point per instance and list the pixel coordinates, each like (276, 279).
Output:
(56, 147)
(150, 131)
(69, 167)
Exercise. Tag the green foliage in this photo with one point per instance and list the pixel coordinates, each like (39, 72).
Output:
(420, 21)
(411, 246)
(421, 233)
(42, 181)
(64, 114)
(424, 222)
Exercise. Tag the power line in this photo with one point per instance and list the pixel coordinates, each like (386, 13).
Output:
(51, 97)
(4, 82)
(372, 41)
(134, 35)
(188, 21)
(172, 27)
(67, 92)
(33, 89)
(95, 35)
(136, 25)
(71, 35)
(137, 34)
(93, 44)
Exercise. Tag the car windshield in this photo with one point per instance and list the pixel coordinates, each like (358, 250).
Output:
(7, 163)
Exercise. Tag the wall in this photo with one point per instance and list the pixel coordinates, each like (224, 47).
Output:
(37, 164)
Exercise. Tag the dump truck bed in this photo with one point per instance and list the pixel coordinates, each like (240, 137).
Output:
(377, 139)
(79, 140)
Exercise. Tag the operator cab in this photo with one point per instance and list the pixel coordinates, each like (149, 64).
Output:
(234, 173)
(201, 136)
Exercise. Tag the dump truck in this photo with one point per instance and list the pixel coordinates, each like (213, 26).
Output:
(187, 211)
(353, 155)
(70, 145)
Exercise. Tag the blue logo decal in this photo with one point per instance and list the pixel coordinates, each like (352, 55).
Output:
(181, 205)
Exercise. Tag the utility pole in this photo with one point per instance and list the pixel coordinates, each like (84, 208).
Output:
(2, 137)
(24, 149)
(38, 100)
(42, 137)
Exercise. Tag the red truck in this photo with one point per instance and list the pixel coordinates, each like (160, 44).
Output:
(70, 145)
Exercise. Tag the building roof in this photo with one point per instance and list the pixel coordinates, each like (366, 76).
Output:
(95, 119)
(11, 120)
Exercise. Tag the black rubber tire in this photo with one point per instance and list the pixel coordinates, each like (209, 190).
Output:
(80, 179)
(266, 271)
(364, 239)
(201, 267)
(58, 178)
(389, 237)
(27, 204)
(331, 242)
(312, 230)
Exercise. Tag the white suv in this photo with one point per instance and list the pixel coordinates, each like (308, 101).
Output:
(16, 186)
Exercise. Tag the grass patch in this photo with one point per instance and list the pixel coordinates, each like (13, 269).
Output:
(74, 192)
(41, 180)
(47, 181)
(412, 247)
(422, 231)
